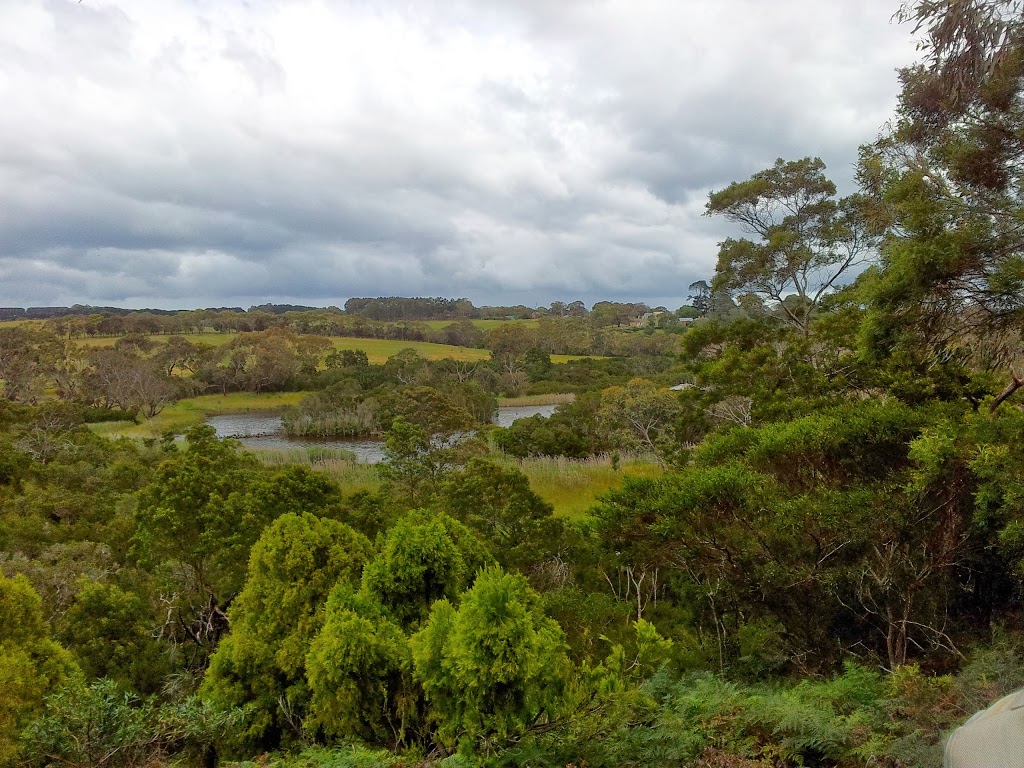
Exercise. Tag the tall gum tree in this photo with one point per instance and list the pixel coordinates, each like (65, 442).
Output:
(949, 176)
(806, 240)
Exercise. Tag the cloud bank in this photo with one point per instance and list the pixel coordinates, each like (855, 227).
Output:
(188, 153)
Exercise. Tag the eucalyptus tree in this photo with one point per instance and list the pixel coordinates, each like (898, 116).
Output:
(806, 239)
(949, 178)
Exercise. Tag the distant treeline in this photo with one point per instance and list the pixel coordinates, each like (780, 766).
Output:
(383, 308)
(47, 313)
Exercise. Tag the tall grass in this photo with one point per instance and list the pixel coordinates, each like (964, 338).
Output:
(572, 486)
(330, 422)
(337, 463)
(550, 399)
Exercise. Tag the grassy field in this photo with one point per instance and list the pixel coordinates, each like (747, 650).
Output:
(379, 350)
(186, 413)
(571, 486)
(211, 338)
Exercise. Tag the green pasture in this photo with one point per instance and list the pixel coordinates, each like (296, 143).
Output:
(379, 350)
(212, 338)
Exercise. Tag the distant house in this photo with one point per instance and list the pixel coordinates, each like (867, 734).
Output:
(655, 318)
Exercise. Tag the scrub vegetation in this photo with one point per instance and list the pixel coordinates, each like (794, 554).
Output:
(781, 526)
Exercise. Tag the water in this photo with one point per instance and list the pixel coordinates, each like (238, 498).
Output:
(509, 413)
(262, 432)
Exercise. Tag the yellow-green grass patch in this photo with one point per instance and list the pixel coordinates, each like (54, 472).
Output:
(31, 323)
(572, 486)
(350, 475)
(525, 400)
(379, 350)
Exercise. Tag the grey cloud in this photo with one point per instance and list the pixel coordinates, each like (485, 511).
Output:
(185, 153)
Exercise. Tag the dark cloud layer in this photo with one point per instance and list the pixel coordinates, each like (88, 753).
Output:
(188, 153)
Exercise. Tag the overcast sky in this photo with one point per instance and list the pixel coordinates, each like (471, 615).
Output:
(186, 153)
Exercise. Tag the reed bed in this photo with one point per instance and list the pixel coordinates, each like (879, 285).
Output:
(337, 463)
(557, 398)
(571, 486)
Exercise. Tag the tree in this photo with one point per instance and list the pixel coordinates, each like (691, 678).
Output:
(181, 354)
(424, 558)
(948, 179)
(31, 664)
(22, 371)
(436, 411)
(110, 633)
(641, 415)
(414, 463)
(806, 240)
(500, 506)
(128, 381)
(495, 666)
(360, 673)
(616, 313)
(700, 297)
(294, 566)
(183, 515)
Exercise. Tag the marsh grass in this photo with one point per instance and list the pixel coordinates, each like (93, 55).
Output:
(525, 400)
(571, 486)
(337, 463)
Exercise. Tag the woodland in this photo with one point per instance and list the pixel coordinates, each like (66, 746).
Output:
(821, 565)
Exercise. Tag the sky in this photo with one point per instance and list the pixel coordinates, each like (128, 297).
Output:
(194, 153)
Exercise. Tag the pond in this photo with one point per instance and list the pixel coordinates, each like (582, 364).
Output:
(263, 432)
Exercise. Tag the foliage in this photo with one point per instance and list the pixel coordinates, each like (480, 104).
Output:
(100, 726)
(294, 566)
(31, 664)
(498, 504)
(415, 464)
(493, 667)
(109, 631)
(424, 557)
(807, 240)
(185, 514)
(947, 179)
(360, 673)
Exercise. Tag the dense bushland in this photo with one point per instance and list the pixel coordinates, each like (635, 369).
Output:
(827, 570)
